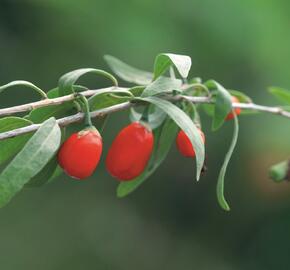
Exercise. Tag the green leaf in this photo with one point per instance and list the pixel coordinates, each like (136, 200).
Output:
(41, 114)
(220, 184)
(54, 92)
(223, 104)
(44, 175)
(191, 111)
(155, 118)
(280, 93)
(58, 172)
(67, 81)
(164, 136)
(104, 99)
(280, 172)
(161, 85)
(165, 60)
(241, 96)
(23, 83)
(249, 112)
(10, 147)
(137, 90)
(186, 124)
(208, 109)
(128, 73)
(30, 160)
(195, 80)
(52, 170)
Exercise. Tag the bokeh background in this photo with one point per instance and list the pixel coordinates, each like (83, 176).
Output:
(171, 222)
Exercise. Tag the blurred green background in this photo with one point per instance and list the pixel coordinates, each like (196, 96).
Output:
(171, 222)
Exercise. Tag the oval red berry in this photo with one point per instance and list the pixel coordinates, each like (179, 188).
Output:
(80, 153)
(130, 152)
(184, 144)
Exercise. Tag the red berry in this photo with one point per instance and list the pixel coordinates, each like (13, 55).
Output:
(80, 153)
(130, 152)
(184, 145)
(237, 110)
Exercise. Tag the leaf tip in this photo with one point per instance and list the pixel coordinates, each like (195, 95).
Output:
(223, 204)
(215, 126)
(227, 208)
(108, 57)
(120, 195)
(121, 192)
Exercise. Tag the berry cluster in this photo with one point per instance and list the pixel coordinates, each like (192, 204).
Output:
(128, 155)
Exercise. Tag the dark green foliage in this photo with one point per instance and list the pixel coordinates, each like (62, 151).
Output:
(38, 151)
(162, 97)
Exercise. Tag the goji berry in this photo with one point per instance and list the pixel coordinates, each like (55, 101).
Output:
(184, 144)
(130, 151)
(80, 154)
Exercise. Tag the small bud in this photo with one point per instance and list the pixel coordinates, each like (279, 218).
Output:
(280, 172)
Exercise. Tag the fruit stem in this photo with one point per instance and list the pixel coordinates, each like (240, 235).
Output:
(86, 109)
(145, 114)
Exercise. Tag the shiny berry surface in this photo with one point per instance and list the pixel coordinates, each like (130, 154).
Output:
(80, 154)
(130, 152)
(184, 145)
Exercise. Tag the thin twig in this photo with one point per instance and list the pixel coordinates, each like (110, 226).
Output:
(119, 107)
(52, 101)
(248, 106)
(62, 122)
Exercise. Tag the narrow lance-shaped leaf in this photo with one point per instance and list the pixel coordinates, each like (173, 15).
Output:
(25, 84)
(208, 109)
(58, 172)
(137, 90)
(103, 99)
(66, 82)
(44, 175)
(49, 170)
(30, 160)
(223, 104)
(128, 73)
(9, 147)
(244, 99)
(186, 124)
(220, 184)
(155, 119)
(165, 60)
(281, 94)
(161, 85)
(164, 137)
(240, 96)
(41, 114)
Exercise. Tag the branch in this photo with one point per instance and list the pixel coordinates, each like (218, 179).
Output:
(53, 101)
(248, 106)
(62, 122)
(115, 108)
